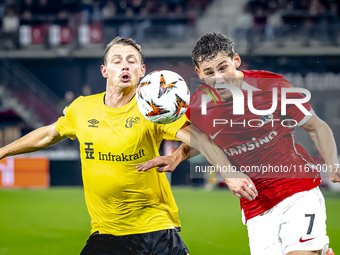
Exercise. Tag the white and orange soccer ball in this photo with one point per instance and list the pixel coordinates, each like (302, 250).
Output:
(162, 96)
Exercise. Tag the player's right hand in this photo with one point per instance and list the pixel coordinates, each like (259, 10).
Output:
(334, 175)
(164, 163)
(242, 186)
(335, 179)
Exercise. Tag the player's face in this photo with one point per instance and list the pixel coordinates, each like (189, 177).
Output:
(123, 67)
(221, 70)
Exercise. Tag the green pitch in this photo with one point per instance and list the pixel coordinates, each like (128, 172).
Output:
(55, 221)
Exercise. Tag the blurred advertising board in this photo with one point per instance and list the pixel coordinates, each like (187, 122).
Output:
(24, 172)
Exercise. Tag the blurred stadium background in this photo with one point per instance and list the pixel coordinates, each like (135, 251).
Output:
(50, 53)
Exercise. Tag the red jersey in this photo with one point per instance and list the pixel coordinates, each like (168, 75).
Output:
(259, 142)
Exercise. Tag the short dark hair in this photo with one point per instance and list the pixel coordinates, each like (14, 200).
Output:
(125, 42)
(209, 45)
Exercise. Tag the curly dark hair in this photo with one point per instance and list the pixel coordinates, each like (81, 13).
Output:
(209, 45)
(125, 42)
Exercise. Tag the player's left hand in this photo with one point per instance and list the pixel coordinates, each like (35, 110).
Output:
(334, 173)
(335, 179)
(164, 163)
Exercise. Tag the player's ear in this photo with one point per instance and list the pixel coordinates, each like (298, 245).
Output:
(198, 73)
(103, 70)
(142, 71)
(237, 60)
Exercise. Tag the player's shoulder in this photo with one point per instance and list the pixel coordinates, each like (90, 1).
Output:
(264, 80)
(260, 74)
(195, 97)
(200, 90)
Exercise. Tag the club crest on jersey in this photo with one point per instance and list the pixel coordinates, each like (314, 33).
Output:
(266, 119)
(131, 121)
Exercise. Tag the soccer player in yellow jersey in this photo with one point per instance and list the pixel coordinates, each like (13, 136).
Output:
(132, 212)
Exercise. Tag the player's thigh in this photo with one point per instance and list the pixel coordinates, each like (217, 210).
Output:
(303, 226)
(324, 251)
(263, 233)
(304, 253)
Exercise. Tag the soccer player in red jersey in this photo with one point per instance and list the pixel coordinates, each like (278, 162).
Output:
(288, 215)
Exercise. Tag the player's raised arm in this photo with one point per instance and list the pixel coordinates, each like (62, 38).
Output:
(169, 163)
(239, 184)
(323, 138)
(36, 140)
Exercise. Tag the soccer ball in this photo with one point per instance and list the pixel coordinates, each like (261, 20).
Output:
(162, 96)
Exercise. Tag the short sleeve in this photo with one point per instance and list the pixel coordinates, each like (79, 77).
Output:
(296, 114)
(293, 112)
(65, 124)
(169, 131)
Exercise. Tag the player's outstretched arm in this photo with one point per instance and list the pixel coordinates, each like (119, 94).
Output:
(170, 162)
(36, 140)
(239, 184)
(323, 138)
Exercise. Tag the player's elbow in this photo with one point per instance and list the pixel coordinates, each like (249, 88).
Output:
(202, 142)
(48, 136)
(319, 128)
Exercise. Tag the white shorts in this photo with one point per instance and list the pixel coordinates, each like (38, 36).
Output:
(298, 223)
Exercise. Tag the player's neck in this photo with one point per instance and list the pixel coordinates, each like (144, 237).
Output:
(240, 78)
(116, 98)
